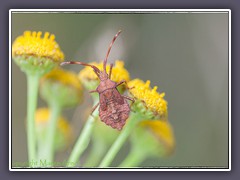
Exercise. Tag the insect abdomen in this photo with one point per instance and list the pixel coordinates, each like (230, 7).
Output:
(115, 114)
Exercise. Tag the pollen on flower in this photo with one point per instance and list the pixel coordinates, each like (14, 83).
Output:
(33, 44)
(118, 72)
(151, 98)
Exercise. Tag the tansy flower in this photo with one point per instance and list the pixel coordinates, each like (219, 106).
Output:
(91, 81)
(148, 101)
(64, 132)
(36, 54)
(150, 139)
(162, 132)
(61, 87)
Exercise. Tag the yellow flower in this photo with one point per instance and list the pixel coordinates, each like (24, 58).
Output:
(62, 87)
(148, 100)
(64, 132)
(36, 55)
(65, 77)
(162, 132)
(32, 44)
(87, 76)
(150, 139)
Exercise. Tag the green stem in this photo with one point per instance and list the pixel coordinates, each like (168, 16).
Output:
(82, 141)
(32, 95)
(107, 160)
(49, 148)
(41, 150)
(97, 151)
(133, 159)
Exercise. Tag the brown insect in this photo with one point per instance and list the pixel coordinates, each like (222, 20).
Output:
(114, 109)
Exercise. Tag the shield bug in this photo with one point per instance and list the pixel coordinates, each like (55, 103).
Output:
(114, 109)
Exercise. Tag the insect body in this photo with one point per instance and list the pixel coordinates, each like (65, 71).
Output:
(114, 109)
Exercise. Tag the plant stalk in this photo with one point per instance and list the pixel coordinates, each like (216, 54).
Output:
(51, 131)
(133, 159)
(82, 141)
(121, 139)
(32, 95)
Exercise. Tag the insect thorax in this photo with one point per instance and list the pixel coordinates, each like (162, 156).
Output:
(106, 84)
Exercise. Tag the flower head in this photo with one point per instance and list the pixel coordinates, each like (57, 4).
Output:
(162, 131)
(36, 54)
(153, 138)
(90, 80)
(65, 77)
(62, 87)
(64, 133)
(33, 44)
(148, 100)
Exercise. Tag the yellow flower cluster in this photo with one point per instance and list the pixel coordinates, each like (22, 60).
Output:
(65, 77)
(118, 72)
(151, 98)
(33, 44)
(42, 117)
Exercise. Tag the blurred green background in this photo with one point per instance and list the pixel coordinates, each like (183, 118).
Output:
(184, 54)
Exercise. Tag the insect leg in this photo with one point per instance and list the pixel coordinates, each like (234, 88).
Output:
(131, 99)
(93, 91)
(123, 81)
(110, 71)
(94, 108)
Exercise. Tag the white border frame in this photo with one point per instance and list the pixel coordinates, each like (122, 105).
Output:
(123, 11)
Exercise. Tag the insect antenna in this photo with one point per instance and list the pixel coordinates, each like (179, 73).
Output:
(109, 49)
(95, 69)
